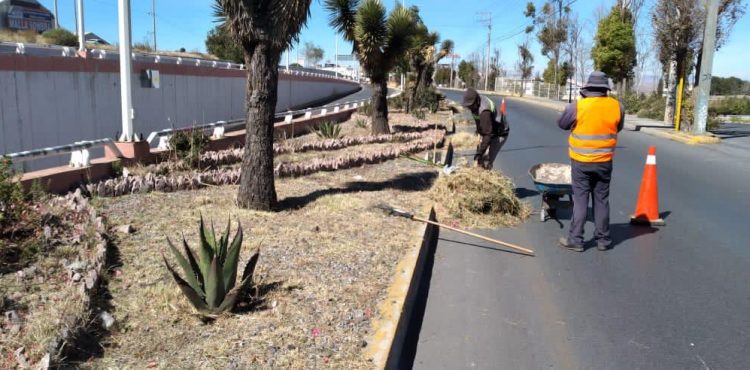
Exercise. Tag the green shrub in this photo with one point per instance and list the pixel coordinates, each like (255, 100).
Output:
(12, 202)
(731, 106)
(396, 102)
(428, 99)
(360, 123)
(328, 130)
(210, 276)
(365, 110)
(60, 36)
(189, 144)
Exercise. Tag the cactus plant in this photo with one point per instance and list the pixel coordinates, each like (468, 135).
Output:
(209, 282)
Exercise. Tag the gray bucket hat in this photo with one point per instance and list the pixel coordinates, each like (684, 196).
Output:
(597, 80)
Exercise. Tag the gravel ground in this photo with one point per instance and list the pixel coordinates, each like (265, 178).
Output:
(326, 261)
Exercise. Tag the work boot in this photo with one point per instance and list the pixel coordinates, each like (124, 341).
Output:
(564, 243)
(602, 247)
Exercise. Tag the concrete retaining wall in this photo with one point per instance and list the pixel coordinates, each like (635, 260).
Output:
(47, 101)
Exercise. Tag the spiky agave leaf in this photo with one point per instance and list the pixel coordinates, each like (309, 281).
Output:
(187, 269)
(232, 260)
(193, 263)
(241, 289)
(205, 251)
(224, 241)
(193, 297)
(215, 292)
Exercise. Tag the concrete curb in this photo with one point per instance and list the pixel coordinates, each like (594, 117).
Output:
(681, 137)
(389, 330)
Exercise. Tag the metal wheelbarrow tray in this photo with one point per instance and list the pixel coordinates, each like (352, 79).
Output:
(552, 188)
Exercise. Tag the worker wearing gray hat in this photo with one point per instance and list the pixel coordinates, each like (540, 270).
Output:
(594, 121)
(492, 126)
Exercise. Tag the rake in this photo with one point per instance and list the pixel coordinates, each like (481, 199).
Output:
(401, 213)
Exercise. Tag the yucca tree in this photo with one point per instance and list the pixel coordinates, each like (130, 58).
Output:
(263, 29)
(446, 48)
(379, 42)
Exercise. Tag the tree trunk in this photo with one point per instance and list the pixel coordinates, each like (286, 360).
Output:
(697, 76)
(257, 190)
(379, 104)
(671, 92)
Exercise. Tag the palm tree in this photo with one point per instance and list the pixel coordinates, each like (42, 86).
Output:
(263, 29)
(378, 42)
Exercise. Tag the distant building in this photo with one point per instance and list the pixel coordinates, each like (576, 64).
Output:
(92, 38)
(25, 15)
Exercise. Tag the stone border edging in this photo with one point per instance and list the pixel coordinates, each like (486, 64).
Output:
(386, 344)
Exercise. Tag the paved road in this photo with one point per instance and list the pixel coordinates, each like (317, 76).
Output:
(676, 297)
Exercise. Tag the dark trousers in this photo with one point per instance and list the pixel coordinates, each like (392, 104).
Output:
(488, 150)
(591, 180)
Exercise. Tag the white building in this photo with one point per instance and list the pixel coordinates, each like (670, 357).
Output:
(25, 15)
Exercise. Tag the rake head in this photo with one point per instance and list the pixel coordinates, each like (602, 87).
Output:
(393, 211)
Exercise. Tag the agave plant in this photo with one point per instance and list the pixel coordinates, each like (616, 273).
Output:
(328, 130)
(209, 282)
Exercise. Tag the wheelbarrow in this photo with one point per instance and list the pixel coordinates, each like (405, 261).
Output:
(553, 181)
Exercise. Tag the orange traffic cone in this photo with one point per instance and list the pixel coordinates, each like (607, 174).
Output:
(502, 106)
(647, 209)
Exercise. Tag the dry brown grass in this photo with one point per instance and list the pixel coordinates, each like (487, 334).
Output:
(465, 140)
(326, 258)
(477, 198)
(42, 294)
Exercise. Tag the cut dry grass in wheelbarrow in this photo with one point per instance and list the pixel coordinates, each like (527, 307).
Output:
(477, 198)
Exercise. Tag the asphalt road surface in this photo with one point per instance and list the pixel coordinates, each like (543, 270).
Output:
(673, 297)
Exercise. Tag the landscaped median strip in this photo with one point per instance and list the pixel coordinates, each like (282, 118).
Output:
(390, 329)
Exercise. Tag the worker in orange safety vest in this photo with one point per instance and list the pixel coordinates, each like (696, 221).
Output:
(594, 122)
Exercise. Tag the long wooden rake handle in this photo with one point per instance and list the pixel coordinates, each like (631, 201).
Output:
(523, 250)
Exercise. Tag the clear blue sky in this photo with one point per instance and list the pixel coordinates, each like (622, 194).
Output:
(184, 23)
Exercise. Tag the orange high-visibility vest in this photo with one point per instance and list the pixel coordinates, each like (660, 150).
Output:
(594, 137)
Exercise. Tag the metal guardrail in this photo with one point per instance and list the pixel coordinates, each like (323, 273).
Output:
(71, 52)
(79, 152)
(221, 126)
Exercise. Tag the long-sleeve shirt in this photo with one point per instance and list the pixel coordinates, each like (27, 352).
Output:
(570, 115)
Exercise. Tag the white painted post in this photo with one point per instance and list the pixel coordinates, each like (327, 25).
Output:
(126, 71)
(81, 31)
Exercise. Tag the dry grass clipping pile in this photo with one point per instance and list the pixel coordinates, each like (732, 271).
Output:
(477, 198)
(465, 140)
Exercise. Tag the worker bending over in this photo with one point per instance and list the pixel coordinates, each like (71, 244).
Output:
(491, 126)
(594, 121)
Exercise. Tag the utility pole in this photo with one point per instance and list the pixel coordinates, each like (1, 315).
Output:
(486, 17)
(557, 51)
(57, 23)
(79, 24)
(707, 63)
(336, 68)
(126, 70)
(153, 21)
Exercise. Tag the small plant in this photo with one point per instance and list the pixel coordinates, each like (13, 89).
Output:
(189, 144)
(419, 114)
(60, 36)
(360, 123)
(209, 282)
(11, 194)
(365, 110)
(328, 130)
